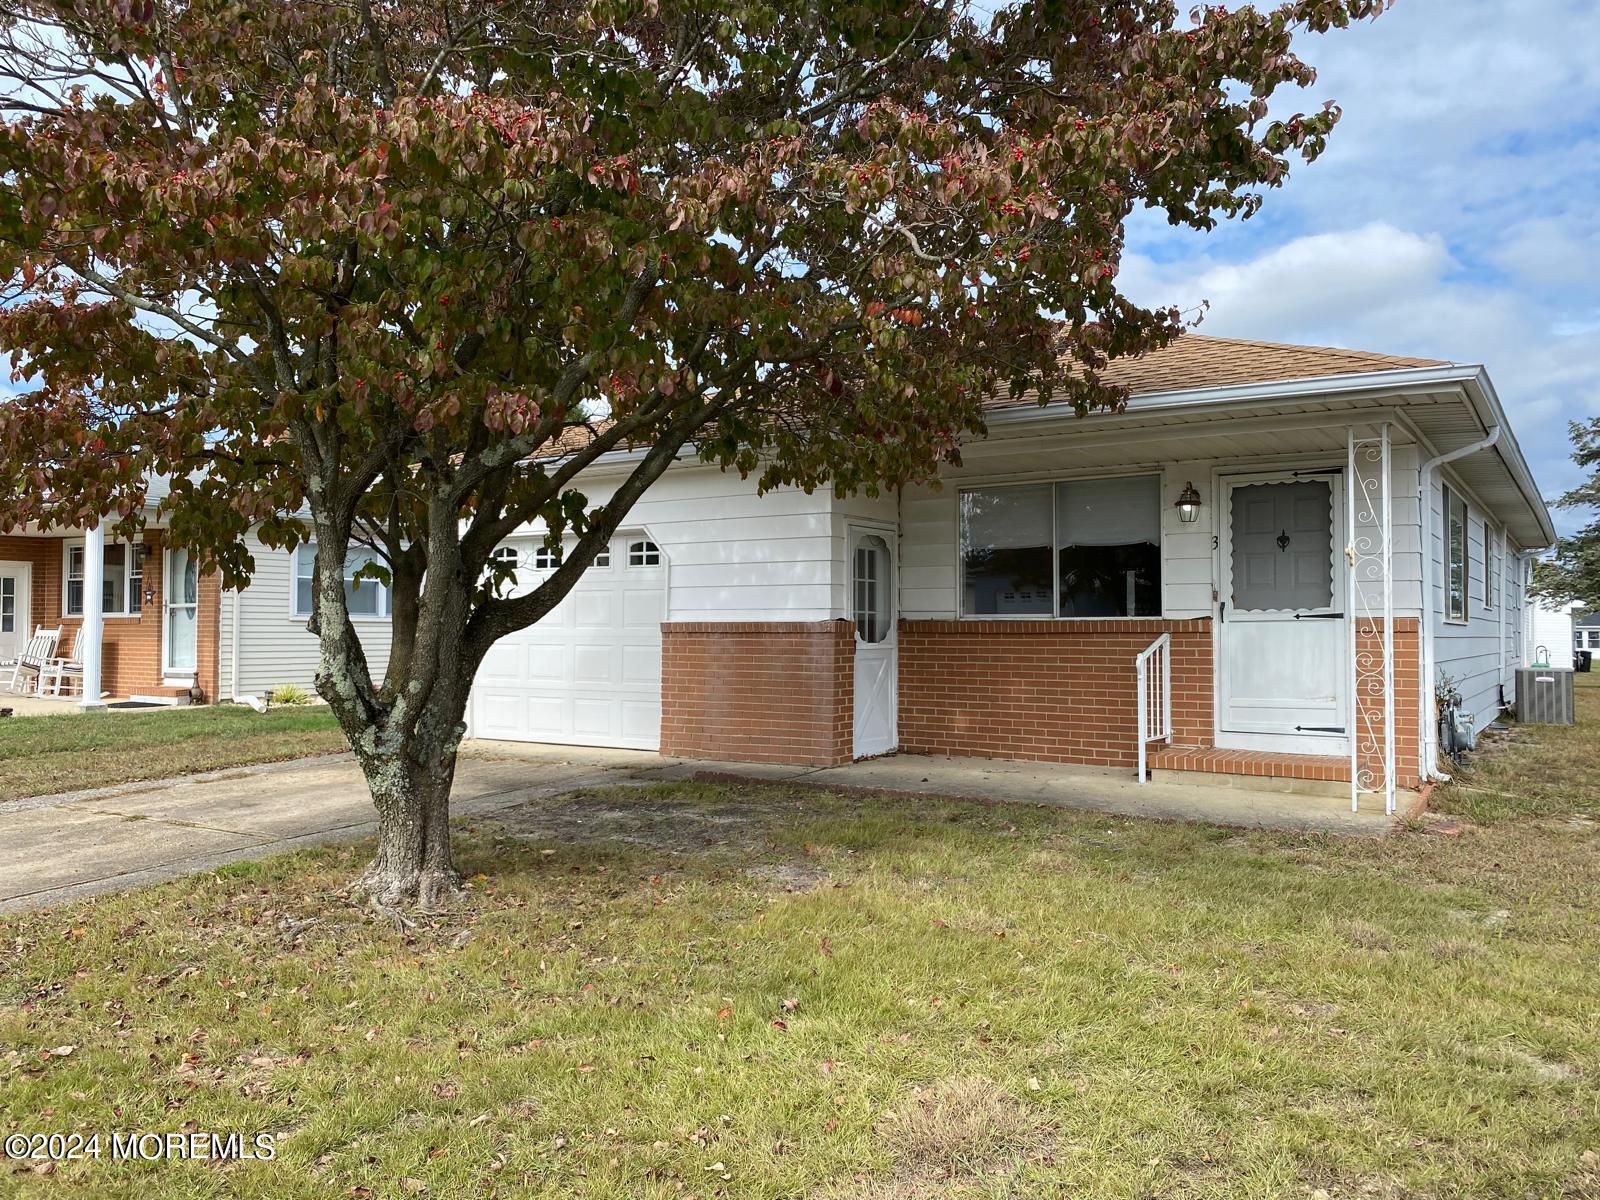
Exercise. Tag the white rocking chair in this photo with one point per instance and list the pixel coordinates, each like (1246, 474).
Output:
(59, 672)
(40, 649)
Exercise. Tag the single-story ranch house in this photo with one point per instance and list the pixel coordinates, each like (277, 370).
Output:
(1262, 566)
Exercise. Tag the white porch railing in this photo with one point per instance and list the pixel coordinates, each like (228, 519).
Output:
(1153, 671)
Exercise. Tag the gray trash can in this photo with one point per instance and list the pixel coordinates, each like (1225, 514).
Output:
(1544, 696)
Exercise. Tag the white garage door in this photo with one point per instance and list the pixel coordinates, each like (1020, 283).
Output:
(589, 674)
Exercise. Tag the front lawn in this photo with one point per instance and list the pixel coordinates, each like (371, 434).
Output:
(67, 752)
(756, 992)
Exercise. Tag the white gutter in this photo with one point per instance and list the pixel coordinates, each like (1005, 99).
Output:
(1430, 727)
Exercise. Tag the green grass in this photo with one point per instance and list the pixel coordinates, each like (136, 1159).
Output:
(1556, 774)
(41, 755)
(710, 991)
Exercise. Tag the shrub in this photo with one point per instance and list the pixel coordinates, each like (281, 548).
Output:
(288, 693)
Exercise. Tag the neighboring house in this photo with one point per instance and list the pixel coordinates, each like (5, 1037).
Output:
(1586, 633)
(1307, 536)
(1551, 638)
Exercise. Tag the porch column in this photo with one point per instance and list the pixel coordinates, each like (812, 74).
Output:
(94, 560)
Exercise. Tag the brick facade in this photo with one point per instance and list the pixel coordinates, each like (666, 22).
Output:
(131, 654)
(1052, 691)
(778, 692)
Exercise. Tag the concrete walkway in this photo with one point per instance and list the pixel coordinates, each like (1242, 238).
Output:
(59, 848)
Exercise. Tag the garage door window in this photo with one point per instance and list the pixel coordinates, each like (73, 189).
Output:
(546, 559)
(644, 554)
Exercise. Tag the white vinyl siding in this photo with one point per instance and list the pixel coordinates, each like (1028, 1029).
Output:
(273, 646)
(1477, 650)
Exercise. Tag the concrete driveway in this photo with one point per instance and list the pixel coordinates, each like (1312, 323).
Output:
(59, 848)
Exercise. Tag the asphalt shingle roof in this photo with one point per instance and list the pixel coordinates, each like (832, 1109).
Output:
(1198, 361)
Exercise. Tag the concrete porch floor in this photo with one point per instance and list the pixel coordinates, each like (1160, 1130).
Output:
(30, 704)
(58, 848)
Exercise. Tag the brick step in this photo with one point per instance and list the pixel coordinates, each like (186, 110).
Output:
(179, 695)
(1252, 764)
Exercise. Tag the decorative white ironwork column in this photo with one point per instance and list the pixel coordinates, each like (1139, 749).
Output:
(1369, 526)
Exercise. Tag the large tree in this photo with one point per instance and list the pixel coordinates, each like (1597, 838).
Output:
(1573, 573)
(392, 275)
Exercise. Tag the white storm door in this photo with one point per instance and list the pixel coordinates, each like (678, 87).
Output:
(16, 580)
(877, 663)
(180, 585)
(1283, 638)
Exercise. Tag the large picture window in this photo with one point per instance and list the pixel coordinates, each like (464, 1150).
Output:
(364, 597)
(1079, 548)
(1455, 546)
(122, 580)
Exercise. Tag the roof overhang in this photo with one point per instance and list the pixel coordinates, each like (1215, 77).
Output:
(1446, 407)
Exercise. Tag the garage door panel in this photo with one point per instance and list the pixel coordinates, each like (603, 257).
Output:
(642, 610)
(594, 664)
(500, 714)
(641, 722)
(593, 718)
(546, 664)
(502, 663)
(547, 717)
(641, 665)
(595, 610)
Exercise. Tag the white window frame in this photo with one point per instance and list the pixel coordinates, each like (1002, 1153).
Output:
(309, 550)
(132, 580)
(1055, 564)
(646, 547)
(1491, 565)
(1449, 497)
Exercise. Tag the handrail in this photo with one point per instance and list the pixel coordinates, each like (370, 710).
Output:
(1154, 719)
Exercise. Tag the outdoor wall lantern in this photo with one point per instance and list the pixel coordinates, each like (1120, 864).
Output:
(1188, 505)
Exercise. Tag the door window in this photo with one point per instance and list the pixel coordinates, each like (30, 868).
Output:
(870, 588)
(1282, 537)
(8, 604)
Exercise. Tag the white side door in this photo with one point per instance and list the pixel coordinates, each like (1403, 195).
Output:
(16, 589)
(877, 661)
(1283, 639)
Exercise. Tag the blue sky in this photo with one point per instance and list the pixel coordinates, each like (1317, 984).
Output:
(1455, 215)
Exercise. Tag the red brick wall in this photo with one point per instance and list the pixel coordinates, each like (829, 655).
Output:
(1055, 691)
(1407, 698)
(131, 656)
(777, 691)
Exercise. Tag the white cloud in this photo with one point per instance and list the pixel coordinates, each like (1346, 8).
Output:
(1377, 287)
(1453, 216)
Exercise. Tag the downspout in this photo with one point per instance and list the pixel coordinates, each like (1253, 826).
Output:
(1430, 727)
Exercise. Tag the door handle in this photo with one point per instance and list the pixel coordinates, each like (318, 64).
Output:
(1223, 608)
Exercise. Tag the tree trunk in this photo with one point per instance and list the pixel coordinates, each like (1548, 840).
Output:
(412, 866)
